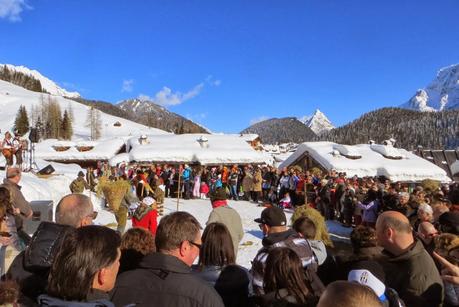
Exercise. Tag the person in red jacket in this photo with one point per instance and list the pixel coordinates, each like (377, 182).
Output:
(145, 216)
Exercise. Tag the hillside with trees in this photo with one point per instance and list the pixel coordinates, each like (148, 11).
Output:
(281, 130)
(432, 130)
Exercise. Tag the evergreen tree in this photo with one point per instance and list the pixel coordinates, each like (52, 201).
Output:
(21, 123)
(67, 129)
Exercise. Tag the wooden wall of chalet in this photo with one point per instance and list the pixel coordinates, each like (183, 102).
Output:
(442, 158)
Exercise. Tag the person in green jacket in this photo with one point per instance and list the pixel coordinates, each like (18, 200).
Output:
(79, 185)
(409, 269)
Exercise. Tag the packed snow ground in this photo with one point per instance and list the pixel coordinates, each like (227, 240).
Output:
(56, 186)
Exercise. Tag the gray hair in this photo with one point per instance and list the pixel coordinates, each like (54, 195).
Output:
(72, 209)
(404, 195)
(13, 172)
(426, 208)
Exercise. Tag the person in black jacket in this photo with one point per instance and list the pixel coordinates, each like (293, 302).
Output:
(273, 224)
(164, 278)
(84, 269)
(31, 267)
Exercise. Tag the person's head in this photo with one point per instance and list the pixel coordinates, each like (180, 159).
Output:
(217, 246)
(148, 201)
(88, 259)
(367, 277)
(319, 221)
(7, 135)
(449, 222)
(394, 232)
(9, 293)
(348, 294)
(14, 174)
(403, 198)
(272, 220)
(75, 210)
(305, 227)
(138, 239)
(284, 270)
(179, 235)
(439, 207)
(427, 232)
(425, 213)
(362, 237)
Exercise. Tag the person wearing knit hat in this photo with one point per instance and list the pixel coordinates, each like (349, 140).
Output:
(146, 215)
(222, 213)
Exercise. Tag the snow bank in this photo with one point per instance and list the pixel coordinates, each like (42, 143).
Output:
(387, 151)
(347, 151)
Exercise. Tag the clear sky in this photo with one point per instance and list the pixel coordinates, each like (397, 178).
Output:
(226, 64)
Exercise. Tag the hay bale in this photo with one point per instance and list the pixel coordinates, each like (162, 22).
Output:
(430, 185)
(315, 171)
(112, 191)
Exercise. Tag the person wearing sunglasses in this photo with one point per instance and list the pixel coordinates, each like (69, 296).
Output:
(167, 274)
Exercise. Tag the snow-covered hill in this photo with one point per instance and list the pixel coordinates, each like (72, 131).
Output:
(48, 85)
(441, 94)
(148, 112)
(12, 96)
(318, 122)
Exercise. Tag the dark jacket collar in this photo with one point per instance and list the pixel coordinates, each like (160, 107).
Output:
(164, 262)
(46, 300)
(273, 238)
(415, 249)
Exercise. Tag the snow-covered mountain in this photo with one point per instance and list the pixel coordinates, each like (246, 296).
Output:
(13, 96)
(152, 114)
(441, 94)
(318, 122)
(48, 85)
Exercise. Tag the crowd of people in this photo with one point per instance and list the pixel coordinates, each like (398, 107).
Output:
(404, 245)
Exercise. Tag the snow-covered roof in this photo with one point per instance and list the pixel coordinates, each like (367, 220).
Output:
(103, 149)
(195, 148)
(376, 160)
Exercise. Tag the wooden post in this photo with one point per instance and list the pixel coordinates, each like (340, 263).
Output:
(305, 192)
(179, 189)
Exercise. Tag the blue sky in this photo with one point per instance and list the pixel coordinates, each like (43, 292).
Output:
(225, 64)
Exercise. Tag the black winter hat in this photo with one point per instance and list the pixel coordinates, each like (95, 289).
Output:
(272, 216)
(218, 194)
